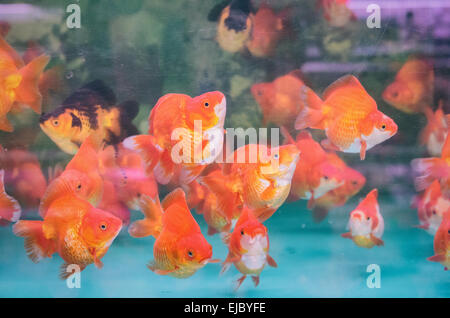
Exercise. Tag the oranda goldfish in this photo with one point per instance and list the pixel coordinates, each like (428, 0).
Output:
(181, 159)
(413, 88)
(336, 12)
(81, 177)
(18, 82)
(431, 207)
(314, 176)
(248, 247)
(23, 175)
(234, 25)
(366, 223)
(348, 115)
(267, 30)
(353, 182)
(10, 210)
(73, 228)
(259, 177)
(180, 248)
(434, 133)
(442, 243)
(91, 110)
(279, 100)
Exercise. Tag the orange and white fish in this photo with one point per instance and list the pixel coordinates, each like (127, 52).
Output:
(23, 174)
(267, 30)
(366, 223)
(434, 133)
(431, 207)
(248, 247)
(348, 115)
(73, 228)
(18, 82)
(180, 248)
(442, 243)
(413, 88)
(279, 100)
(353, 183)
(185, 134)
(336, 12)
(10, 210)
(314, 176)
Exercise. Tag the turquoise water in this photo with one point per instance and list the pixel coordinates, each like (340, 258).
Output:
(313, 261)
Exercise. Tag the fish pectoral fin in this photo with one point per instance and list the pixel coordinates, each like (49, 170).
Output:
(347, 235)
(271, 261)
(155, 269)
(376, 240)
(327, 144)
(227, 263)
(437, 258)
(362, 152)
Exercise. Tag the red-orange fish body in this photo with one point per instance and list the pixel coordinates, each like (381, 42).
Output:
(434, 133)
(442, 243)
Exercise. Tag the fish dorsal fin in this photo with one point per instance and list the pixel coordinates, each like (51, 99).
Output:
(177, 218)
(99, 87)
(246, 215)
(369, 202)
(86, 159)
(344, 81)
(7, 50)
(91, 94)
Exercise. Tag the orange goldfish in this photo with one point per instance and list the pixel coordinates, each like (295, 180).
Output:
(279, 100)
(180, 248)
(442, 243)
(262, 182)
(434, 133)
(10, 210)
(366, 223)
(175, 146)
(336, 12)
(314, 176)
(81, 176)
(431, 206)
(349, 116)
(73, 228)
(268, 28)
(24, 175)
(413, 88)
(248, 246)
(18, 82)
(234, 26)
(353, 182)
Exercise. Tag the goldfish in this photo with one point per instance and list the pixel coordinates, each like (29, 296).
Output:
(180, 248)
(81, 177)
(348, 115)
(352, 184)
(314, 176)
(234, 25)
(267, 30)
(431, 207)
(23, 174)
(197, 124)
(90, 110)
(262, 182)
(434, 133)
(413, 88)
(279, 100)
(18, 82)
(73, 228)
(442, 243)
(366, 223)
(10, 209)
(336, 12)
(248, 246)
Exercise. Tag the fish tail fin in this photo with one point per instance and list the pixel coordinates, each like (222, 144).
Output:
(311, 114)
(428, 170)
(36, 244)
(28, 90)
(145, 146)
(128, 111)
(9, 207)
(152, 223)
(5, 124)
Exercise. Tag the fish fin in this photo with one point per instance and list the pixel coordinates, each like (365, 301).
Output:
(239, 282)
(311, 114)
(211, 230)
(422, 226)
(5, 124)
(255, 280)
(319, 214)
(226, 238)
(98, 263)
(437, 258)
(101, 89)
(54, 172)
(231, 258)
(215, 12)
(347, 235)
(428, 169)
(271, 261)
(177, 216)
(153, 267)
(28, 90)
(327, 144)
(128, 111)
(311, 201)
(9, 207)
(189, 173)
(344, 81)
(287, 135)
(145, 146)
(36, 244)
(376, 240)
(152, 223)
(10, 52)
(362, 153)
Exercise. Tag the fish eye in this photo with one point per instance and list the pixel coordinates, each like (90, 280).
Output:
(434, 212)
(259, 93)
(242, 232)
(395, 94)
(103, 227)
(79, 186)
(354, 182)
(190, 253)
(368, 218)
(448, 231)
(325, 177)
(206, 104)
(276, 156)
(55, 123)
(383, 127)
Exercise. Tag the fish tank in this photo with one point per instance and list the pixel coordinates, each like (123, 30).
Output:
(224, 149)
